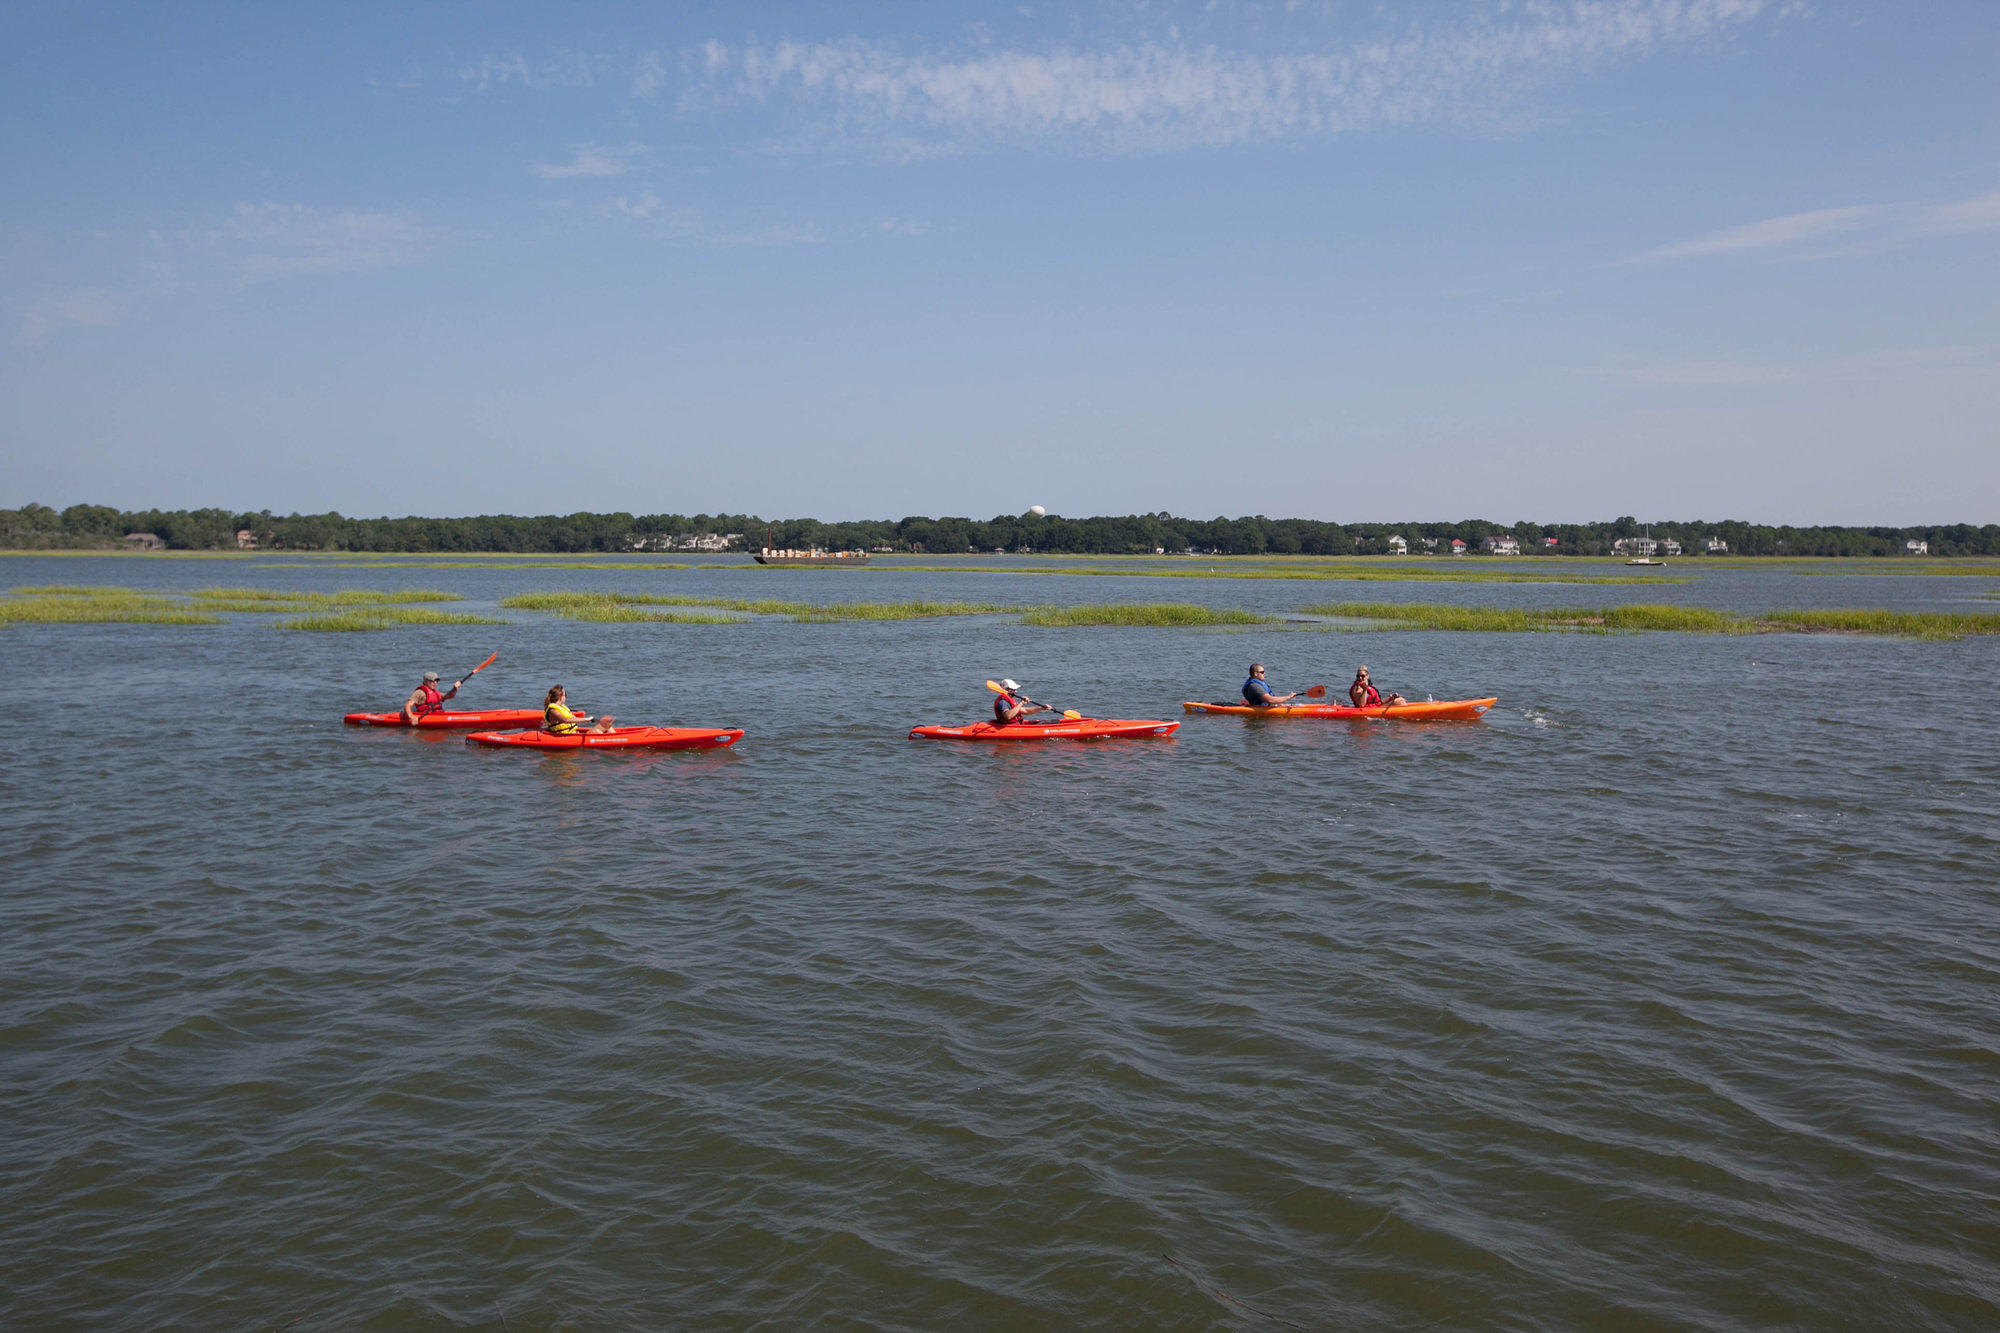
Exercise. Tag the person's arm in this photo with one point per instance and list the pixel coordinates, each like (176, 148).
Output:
(452, 693)
(410, 705)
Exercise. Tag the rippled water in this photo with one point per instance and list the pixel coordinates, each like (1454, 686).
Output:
(1663, 997)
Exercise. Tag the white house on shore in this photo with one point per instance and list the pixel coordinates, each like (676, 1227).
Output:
(1397, 546)
(143, 541)
(1634, 546)
(1914, 547)
(1502, 546)
(1668, 546)
(1715, 546)
(1457, 546)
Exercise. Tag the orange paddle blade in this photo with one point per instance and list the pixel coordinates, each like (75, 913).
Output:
(482, 666)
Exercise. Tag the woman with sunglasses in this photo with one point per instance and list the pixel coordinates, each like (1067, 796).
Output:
(1363, 694)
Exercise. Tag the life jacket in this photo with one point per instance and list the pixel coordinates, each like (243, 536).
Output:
(433, 699)
(1258, 697)
(1371, 697)
(557, 720)
(1000, 707)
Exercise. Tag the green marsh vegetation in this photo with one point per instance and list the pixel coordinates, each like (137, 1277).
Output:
(1928, 625)
(616, 606)
(265, 601)
(72, 604)
(1155, 614)
(359, 608)
(362, 618)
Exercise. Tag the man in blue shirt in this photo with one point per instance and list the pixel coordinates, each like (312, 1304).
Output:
(1257, 690)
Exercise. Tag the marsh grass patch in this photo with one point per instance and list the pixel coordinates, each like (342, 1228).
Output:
(365, 618)
(1167, 615)
(98, 608)
(620, 606)
(1656, 618)
(1933, 626)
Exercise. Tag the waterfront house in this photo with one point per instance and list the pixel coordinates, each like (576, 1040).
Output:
(1551, 541)
(1634, 546)
(1457, 546)
(143, 541)
(1502, 546)
(1715, 546)
(1668, 546)
(1397, 546)
(1917, 548)
(246, 540)
(1430, 543)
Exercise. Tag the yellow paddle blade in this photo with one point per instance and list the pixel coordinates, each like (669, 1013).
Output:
(996, 687)
(1071, 715)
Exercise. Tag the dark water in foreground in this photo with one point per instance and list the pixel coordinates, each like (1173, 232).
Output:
(1665, 997)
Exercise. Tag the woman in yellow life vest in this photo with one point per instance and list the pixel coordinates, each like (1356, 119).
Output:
(558, 720)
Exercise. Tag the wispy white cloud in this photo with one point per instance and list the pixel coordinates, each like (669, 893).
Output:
(562, 69)
(1857, 229)
(1458, 65)
(290, 240)
(94, 307)
(1157, 96)
(690, 226)
(586, 160)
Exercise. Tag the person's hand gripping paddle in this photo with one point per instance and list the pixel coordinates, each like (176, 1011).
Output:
(1068, 714)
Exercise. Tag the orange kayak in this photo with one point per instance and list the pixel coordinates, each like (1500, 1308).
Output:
(488, 718)
(1443, 710)
(1084, 729)
(618, 738)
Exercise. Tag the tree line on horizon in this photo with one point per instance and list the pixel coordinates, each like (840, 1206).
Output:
(39, 527)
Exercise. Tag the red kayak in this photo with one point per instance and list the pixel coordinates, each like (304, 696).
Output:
(618, 738)
(488, 718)
(1439, 710)
(1081, 729)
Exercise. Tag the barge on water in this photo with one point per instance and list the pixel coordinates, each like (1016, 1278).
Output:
(815, 558)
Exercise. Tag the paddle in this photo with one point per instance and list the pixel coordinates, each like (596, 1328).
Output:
(1316, 692)
(1068, 714)
(475, 671)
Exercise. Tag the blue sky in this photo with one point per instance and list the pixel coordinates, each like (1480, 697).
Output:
(1672, 258)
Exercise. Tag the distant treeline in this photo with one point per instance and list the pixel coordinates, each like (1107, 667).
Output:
(84, 526)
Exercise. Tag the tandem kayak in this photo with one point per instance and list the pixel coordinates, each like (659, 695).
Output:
(618, 738)
(490, 718)
(1441, 710)
(1082, 729)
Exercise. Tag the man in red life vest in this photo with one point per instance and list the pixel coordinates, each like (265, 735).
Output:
(1012, 707)
(426, 698)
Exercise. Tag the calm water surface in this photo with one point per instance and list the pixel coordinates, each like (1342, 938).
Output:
(1665, 997)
